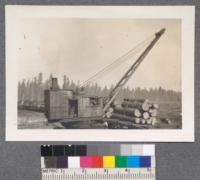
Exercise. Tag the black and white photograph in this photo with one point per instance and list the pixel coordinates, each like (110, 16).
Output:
(96, 70)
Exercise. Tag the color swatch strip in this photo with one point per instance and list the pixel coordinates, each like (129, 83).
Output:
(98, 150)
(98, 162)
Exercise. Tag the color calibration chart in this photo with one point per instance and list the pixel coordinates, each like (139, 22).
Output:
(98, 162)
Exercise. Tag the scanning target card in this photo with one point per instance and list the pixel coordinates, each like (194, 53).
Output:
(80, 162)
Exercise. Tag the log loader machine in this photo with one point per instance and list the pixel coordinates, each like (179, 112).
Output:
(74, 105)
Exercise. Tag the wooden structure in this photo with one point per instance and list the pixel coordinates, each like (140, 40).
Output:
(65, 104)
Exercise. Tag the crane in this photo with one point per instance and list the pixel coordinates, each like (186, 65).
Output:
(115, 91)
(67, 104)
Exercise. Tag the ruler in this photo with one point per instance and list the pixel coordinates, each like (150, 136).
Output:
(98, 174)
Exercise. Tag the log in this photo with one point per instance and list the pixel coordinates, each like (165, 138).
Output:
(108, 114)
(145, 115)
(128, 111)
(154, 120)
(156, 106)
(153, 112)
(138, 105)
(124, 117)
(137, 120)
(126, 123)
(149, 121)
(110, 109)
(137, 100)
(117, 103)
(118, 106)
(143, 121)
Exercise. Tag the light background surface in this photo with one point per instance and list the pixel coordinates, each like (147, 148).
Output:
(14, 16)
(174, 161)
(81, 47)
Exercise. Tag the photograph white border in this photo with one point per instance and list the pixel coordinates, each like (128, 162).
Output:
(185, 13)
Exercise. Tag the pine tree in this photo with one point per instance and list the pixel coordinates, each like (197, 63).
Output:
(32, 91)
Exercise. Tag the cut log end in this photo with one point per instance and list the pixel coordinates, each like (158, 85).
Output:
(143, 121)
(145, 115)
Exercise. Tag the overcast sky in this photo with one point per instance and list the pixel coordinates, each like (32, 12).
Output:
(81, 47)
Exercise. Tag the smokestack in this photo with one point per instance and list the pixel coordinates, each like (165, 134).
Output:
(54, 84)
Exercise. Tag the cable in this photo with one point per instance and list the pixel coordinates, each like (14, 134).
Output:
(117, 62)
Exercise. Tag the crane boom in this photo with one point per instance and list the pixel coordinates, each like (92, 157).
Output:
(115, 91)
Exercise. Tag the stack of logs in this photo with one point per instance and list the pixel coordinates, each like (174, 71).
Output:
(138, 111)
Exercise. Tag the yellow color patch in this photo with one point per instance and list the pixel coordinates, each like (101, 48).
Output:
(109, 161)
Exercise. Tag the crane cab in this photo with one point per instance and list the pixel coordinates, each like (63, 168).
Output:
(70, 104)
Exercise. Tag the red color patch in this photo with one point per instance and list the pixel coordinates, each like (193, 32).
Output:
(97, 162)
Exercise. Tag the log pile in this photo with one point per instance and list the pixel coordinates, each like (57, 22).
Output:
(137, 111)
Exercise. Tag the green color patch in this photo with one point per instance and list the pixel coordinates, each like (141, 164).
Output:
(120, 161)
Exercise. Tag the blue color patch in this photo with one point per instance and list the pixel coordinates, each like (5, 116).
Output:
(133, 162)
(145, 161)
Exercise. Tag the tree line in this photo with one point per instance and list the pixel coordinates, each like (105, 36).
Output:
(32, 91)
